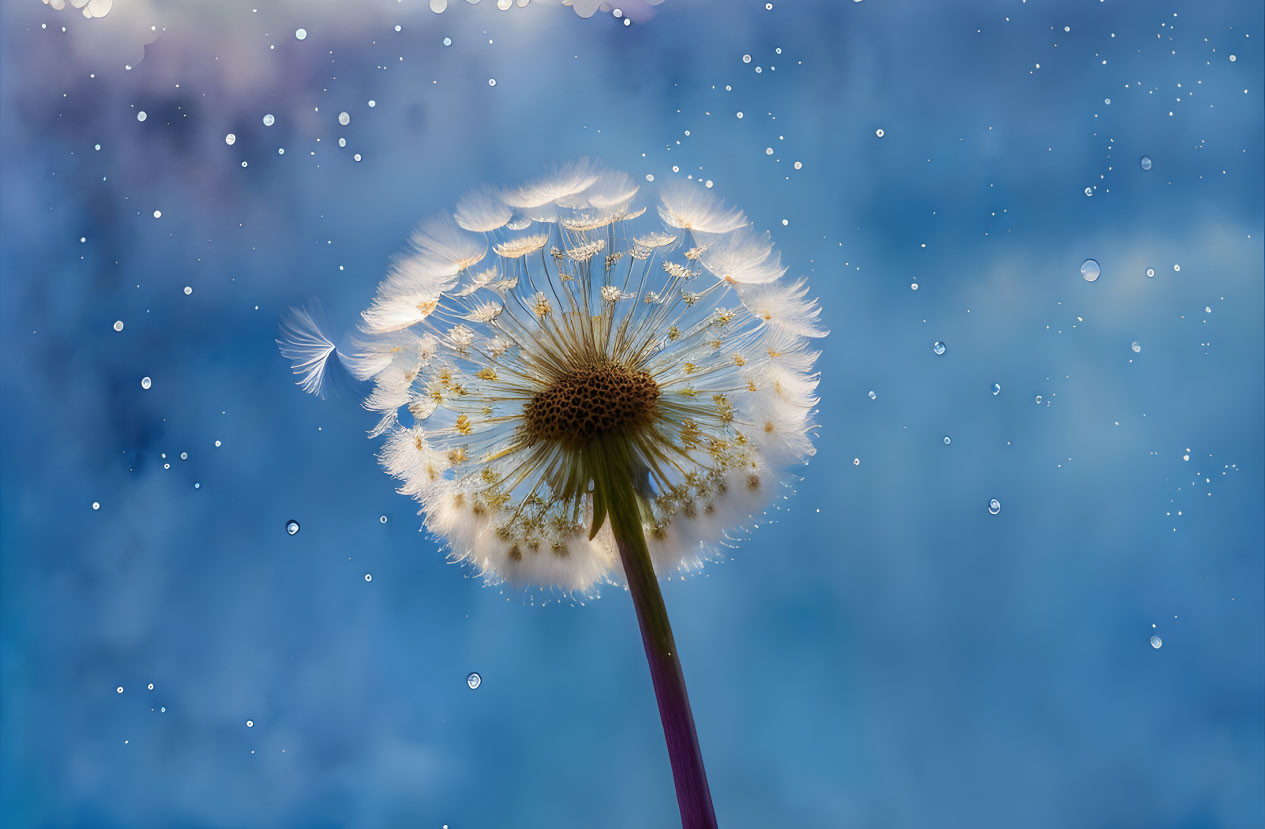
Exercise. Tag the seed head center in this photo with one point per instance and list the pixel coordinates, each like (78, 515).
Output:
(590, 401)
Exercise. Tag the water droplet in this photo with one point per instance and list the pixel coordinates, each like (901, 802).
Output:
(382, 519)
(141, 116)
(96, 505)
(491, 81)
(356, 157)
(300, 34)
(1037, 400)
(118, 325)
(1150, 273)
(344, 118)
(873, 396)
(151, 686)
(1177, 268)
(230, 139)
(879, 133)
(1233, 58)
(188, 289)
(994, 506)
(996, 389)
(1090, 270)
(447, 41)
(746, 58)
(1145, 162)
(799, 165)
(250, 723)
(938, 348)
(146, 383)
(1157, 642)
(947, 440)
(158, 214)
(368, 576)
(118, 690)
(292, 527)
(1089, 191)
(269, 120)
(474, 680)
(856, 461)
(1136, 348)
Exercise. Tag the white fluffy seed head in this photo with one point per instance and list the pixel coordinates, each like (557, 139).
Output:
(496, 381)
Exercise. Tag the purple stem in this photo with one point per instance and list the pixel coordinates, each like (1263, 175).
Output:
(692, 793)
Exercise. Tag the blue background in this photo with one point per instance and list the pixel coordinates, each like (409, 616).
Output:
(885, 653)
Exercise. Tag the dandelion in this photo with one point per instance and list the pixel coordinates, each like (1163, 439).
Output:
(568, 420)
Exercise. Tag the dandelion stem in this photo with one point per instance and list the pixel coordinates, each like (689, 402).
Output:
(692, 793)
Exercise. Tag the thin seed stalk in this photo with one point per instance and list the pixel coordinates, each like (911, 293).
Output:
(615, 490)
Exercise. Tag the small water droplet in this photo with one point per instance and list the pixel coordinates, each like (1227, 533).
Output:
(996, 389)
(856, 461)
(382, 519)
(1145, 162)
(188, 290)
(994, 506)
(158, 214)
(746, 58)
(118, 690)
(1090, 270)
(1150, 273)
(230, 139)
(1177, 268)
(1089, 191)
(146, 383)
(447, 41)
(344, 118)
(151, 686)
(118, 325)
(250, 723)
(879, 133)
(474, 680)
(1136, 348)
(300, 34)
(368, 576)
(1157, 642)
(947, 440)
(141, 116)
(491, 81)
(1037, 399)
(938, 348)
(292, 527)
(269, 120)
(873, 396)
(96, 505)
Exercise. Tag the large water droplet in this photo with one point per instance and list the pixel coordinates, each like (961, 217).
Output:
(1090, 270)
(146, 383)
(1136, 347)
(474, 680)
(1145, 162)
(947, 440)
(292, 527)
(230, 139)
(344, 118)
(269, 120)
(994, 506)
(1150, 273)
(938, 348)
(1157, 642)
(300, 34)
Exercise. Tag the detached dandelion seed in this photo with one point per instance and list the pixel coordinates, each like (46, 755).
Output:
(580, 395)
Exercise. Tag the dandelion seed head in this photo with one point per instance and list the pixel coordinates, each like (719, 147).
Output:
(547, 333)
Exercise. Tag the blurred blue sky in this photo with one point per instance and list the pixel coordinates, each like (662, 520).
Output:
(885, 654)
